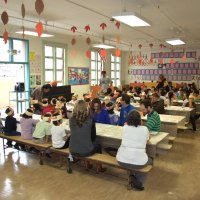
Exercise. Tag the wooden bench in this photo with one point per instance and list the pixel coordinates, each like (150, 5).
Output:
(98, 159)
(41, 147)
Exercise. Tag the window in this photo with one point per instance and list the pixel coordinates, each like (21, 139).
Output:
(115, 70)
(54, 63)
(96, 68)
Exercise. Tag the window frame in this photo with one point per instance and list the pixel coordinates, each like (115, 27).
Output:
(115, 70)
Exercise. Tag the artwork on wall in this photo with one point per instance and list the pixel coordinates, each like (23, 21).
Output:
(35, 80)
(78, 75)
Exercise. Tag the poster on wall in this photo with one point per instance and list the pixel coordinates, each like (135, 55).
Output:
(78, 75)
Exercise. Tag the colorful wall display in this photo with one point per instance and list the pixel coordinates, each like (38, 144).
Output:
(78, 75)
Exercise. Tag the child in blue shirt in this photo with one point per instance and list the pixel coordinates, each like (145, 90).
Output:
(125, 109)
(99, 114)
(111, 113)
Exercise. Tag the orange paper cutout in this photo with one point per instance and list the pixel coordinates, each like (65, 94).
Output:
(88, 53)
(118, 52)
(5, 37)
(39, 29)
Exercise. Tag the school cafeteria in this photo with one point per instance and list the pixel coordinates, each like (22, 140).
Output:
(99, 100)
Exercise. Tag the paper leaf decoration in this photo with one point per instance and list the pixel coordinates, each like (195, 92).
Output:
(117, 52)
(161, 61)
(5, 1)
(39, 29)
(73, 53)
(5, 37)
(73, 29)
(4, 17)
(88, 41)
(39, 6)
(87, 28)
(73, 42)
(117, 24)
(151, 45)
(103, 53)
(88, 53)
(103, 26)
(23, 11)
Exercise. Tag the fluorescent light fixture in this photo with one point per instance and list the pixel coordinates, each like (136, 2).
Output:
(32, 33)
(130, 19)
(103, 46)
(175, 42)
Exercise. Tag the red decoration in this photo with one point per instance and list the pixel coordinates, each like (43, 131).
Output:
(103, 26)
(73, 29)
(161, 46)
(171, 61)
(88, 53)
(139, 60)
(87, 28)
(39, 29)
(23, 11)
(4, 17)
(39, 6)
(103, 53)
(151, 61)
(117, 24)
(5, 37)
(73, 42)
(161, 61)
(117, 52)
(88, 41)
(73, 53)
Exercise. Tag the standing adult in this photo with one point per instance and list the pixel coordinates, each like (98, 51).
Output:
(104, 81)
(161, 82)
(38, 95)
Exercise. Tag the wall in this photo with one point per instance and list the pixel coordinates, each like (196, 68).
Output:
(132, 78)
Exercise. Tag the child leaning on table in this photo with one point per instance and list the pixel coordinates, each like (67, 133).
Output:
(60, 139)
(43, 130)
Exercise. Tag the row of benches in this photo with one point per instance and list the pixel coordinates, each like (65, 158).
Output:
(96, 158)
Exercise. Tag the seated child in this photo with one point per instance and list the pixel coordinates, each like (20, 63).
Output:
(60, 140)
(27, 124)
(74, 99)
(60, 105)
(111, 113)
(47, 108)
(43, 129)
(10, 128)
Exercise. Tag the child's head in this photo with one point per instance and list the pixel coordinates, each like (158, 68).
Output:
(47, 117)
(75, 97)
(9, 112)
(28, 114)
(56, 119)
(110, 108)
(53, 101)
(44, 102)
(62, 100)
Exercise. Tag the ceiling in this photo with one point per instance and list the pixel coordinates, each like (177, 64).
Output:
(169, 19)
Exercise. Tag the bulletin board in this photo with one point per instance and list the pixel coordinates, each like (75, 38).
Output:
(78, 75)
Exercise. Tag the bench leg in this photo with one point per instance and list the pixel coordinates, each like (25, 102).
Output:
(69, 169)
(4, 147)
(41, 157)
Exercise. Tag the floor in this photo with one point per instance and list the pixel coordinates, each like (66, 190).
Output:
(175, 176)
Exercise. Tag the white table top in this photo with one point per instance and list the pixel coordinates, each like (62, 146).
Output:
(115, 132)
(175, 119)
(179, 108)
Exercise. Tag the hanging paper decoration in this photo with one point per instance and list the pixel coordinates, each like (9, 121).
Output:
(161, 61)
(5, 1)
(4, 17)
(73, 29)
(172, 61)
(5, 37)
(151, 58)
(39, 29)
(23, 12)
(88, 54)
(117, 52)
(87, 28)
(39, 6)
(117, 24)
(73, 41)
(88, 40)
(140, 46)
(73, 53)
(103, 26)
